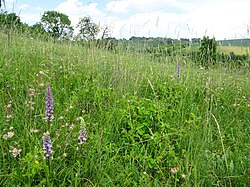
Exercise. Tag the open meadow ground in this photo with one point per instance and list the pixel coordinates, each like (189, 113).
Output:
(119, 118)
(238, 50)
(226, 49)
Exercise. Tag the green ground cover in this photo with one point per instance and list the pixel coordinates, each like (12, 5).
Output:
(145, 125)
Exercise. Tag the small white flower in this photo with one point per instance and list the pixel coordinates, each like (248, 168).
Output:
(60, 118)
(9, 116)
(14, 151)
(9, 135)
(34, 130)
(183, 176)
(72, 126)
(175, 170)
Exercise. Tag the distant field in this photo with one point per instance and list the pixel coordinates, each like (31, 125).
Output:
(239, 50)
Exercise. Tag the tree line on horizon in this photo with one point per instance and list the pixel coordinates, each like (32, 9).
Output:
(57, 25)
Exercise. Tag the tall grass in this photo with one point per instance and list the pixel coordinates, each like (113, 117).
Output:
(145, 126)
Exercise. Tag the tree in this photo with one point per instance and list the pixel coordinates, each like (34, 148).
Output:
(87, 28)
(38, 28)
(208, 50)
(105, 32)
(57, 24)
(10, 20)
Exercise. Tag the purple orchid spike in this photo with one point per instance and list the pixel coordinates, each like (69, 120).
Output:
(49, 104)
(179, 70)
(47, 146)
(83, 136)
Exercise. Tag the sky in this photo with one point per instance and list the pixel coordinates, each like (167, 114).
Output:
(222, 19)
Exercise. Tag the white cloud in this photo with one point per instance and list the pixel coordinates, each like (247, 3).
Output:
(123, 6)
(223, 19)
(24, 6)
(139, 24)
(151, 24)
(153, 18)
(30, 18)
(75, 9)
(170, 18)
(30, 14)
(117, 7)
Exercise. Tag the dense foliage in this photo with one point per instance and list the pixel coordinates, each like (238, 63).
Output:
(57, 24)
(11, 21)
(208, 51)
(88, 30)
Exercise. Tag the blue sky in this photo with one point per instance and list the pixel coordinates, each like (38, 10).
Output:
(149, 18)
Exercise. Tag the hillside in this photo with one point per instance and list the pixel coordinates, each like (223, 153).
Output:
(118, 117)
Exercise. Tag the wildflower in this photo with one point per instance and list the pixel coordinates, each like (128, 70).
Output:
(9, 135)
(82, 137)
(235, 105)
(47, 146)
(245, 97)
(9, 116)
(34, 130)
(32, 92)
(72, 126)
(78, 118)
(15, 151)
(30, 104)
(41, 72)
(49, 104)
(60, 118)
(179, 70)
(175, 170)
(183, 176)
(41, 84)
(8, 105)
(65, 125)
(57, 133)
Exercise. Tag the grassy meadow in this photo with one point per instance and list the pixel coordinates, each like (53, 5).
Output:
(238, 50)
(145, 126)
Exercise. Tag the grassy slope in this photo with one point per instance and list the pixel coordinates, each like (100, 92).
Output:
(142, 121)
